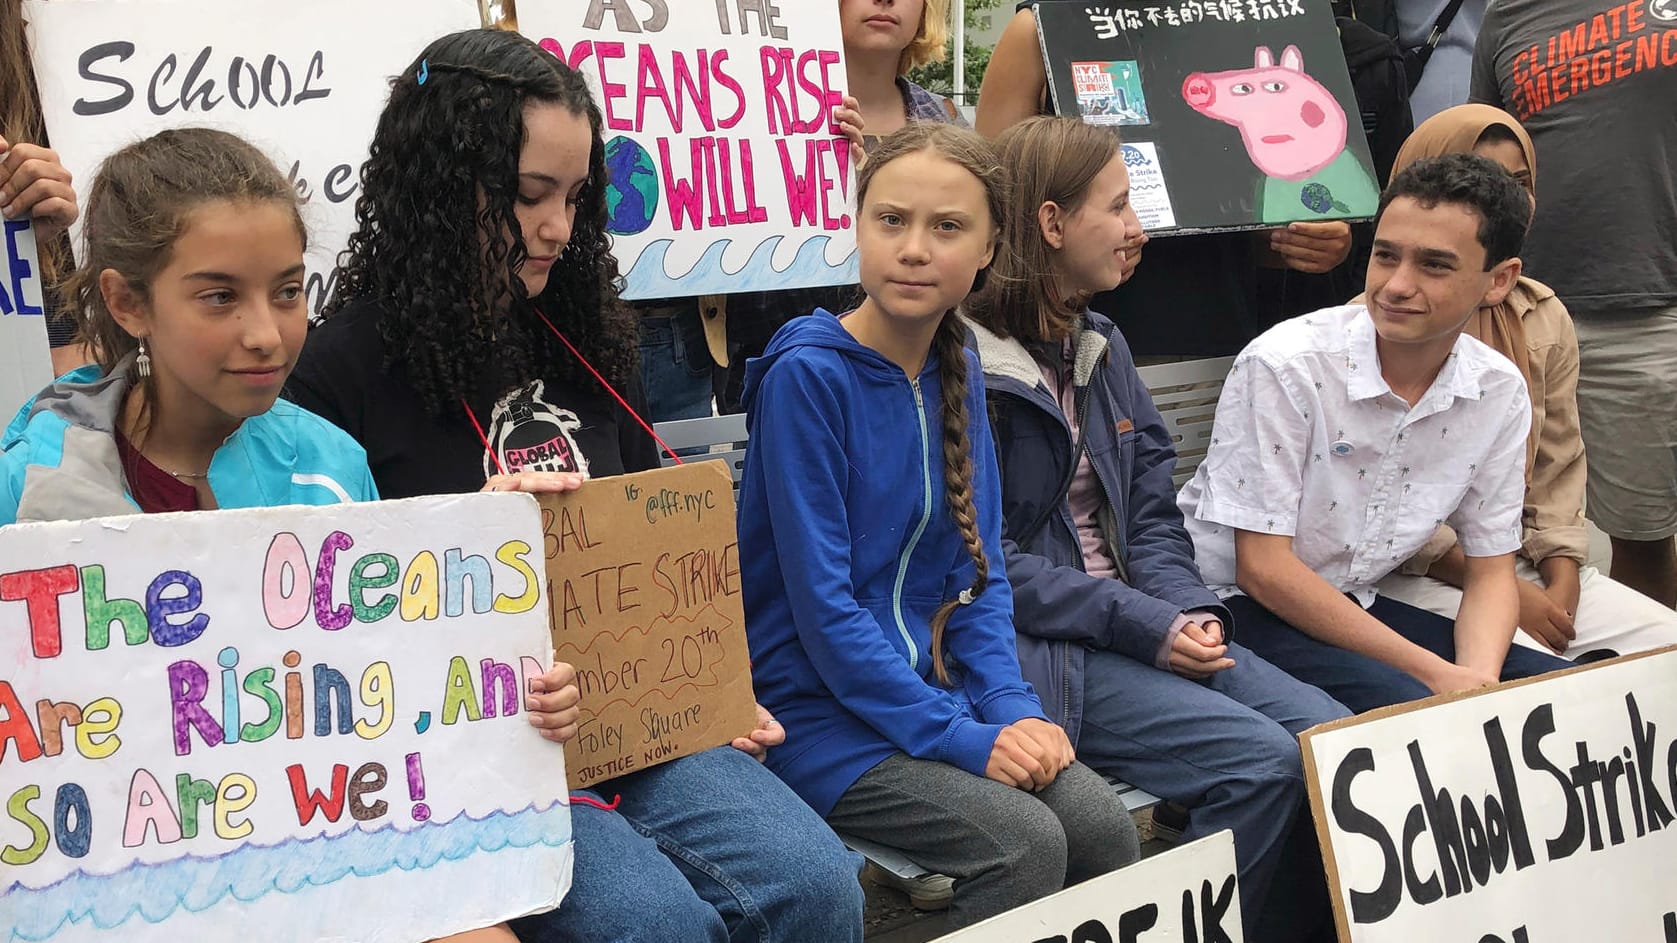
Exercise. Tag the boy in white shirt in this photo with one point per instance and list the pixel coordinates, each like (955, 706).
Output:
(1345, 437)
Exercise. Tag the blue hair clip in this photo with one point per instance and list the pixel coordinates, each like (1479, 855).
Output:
(424, 70)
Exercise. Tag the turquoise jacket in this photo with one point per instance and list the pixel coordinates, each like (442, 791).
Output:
(60, 458)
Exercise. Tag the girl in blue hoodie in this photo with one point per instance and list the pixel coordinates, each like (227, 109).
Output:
(877, 603)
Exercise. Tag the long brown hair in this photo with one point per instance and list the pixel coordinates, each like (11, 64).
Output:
(1052, 160)
(975, 155)
(20, 111)
(140, 203)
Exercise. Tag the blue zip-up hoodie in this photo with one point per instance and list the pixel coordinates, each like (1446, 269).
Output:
(1061, 611)
(847, 549)
(60, 459)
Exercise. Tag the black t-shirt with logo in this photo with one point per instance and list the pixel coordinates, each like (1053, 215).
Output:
(544, 425)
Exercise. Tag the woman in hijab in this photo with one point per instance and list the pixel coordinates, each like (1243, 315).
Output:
(1566, 606)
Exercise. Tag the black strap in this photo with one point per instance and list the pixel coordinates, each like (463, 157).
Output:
(1423, 52)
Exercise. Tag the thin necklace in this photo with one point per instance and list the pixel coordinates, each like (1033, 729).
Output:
(178, 476)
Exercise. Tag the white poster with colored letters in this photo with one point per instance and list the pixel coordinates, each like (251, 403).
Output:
(219, 724)
(726, 173)
(305, 80)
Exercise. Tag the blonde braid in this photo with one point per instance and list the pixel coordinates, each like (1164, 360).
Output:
(957, 474)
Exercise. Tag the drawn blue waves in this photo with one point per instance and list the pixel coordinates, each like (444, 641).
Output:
(648, 280)
(196, 883)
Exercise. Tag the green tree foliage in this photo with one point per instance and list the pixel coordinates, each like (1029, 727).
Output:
(939, 77)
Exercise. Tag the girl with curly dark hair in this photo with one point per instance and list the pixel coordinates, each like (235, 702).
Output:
(480, 214)
(481, 239)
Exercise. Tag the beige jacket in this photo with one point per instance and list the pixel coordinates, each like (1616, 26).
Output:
(1553, 521)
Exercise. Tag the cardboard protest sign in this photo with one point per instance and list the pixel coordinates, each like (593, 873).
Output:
(644, 580)
(1494, 817)
(1185, 895)
(726, 175)
(304, 80)
(25, 364)
(1234, 113)
(308, 718)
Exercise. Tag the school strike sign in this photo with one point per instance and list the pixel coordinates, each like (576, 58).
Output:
(1186, 895)
(725, 172)
(644, 580)
(309, 719)
(304, 80)
(1540, 812)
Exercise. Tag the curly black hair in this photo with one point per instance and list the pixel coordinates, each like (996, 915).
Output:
(1480, 185)
(434, 217)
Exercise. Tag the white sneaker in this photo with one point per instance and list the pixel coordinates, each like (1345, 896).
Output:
(927, 891)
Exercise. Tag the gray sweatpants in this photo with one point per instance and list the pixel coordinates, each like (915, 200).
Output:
(1004, 847)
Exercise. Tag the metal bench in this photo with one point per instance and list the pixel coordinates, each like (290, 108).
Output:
(1186, 394)
(721, 438)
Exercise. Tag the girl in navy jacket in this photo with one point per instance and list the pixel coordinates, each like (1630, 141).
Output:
(877, 608)
(1128, 647)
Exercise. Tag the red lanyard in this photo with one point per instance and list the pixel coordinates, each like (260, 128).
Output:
(496, 456)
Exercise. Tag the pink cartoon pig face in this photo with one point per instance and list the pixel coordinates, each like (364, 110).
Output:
(1292, 126)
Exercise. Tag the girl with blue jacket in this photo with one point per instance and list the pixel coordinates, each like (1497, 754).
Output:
(1130, 650)
(870, 527)
(191, 293)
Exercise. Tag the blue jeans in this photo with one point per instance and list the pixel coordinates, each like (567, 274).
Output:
(1359, 682)
(675, 366)
(1226, 749)
(710, 848)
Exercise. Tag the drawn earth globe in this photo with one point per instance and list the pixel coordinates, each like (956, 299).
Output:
(632, 194)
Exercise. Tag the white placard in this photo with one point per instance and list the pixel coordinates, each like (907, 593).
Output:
(1148, 193)
(25, 363)
(304, 80)
(1540, 812)
(726, 174)
(218, 724)
(1186, 895)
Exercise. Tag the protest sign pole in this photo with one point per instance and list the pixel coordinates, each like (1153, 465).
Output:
(960, 27)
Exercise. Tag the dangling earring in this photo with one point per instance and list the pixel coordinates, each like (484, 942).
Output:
(142, 363)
